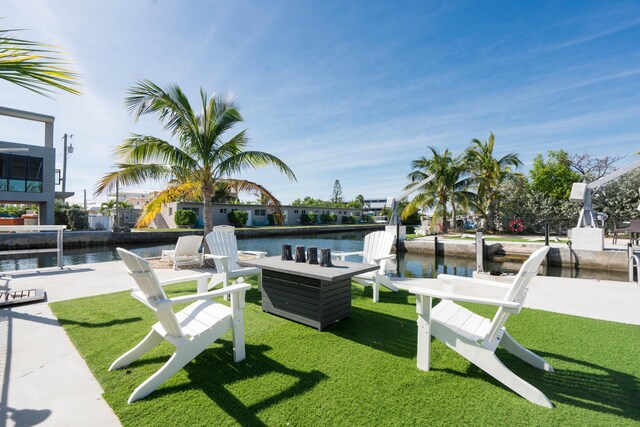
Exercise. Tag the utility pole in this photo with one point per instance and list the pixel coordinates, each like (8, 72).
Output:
(68, 149)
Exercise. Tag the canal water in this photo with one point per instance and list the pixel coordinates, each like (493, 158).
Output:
(407, 265)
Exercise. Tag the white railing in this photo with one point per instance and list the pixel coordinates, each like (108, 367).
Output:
(59, 229)
(634, 259)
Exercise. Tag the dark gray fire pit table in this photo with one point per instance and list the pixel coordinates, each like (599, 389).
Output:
(305, 293)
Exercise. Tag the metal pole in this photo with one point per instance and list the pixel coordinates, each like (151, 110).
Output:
(546, 240)
(60, 248)
(398, 237)
(479, 251)
(435, 245)
(64, 164)
(85, 199)
(117, 221)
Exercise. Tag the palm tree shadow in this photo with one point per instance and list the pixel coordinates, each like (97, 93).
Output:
(587, 385)
(213, 371)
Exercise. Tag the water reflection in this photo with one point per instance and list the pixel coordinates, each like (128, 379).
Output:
(408, 264)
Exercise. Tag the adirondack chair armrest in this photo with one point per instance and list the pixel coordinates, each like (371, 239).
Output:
(449, 279)
(390, 256)
(509, 306)
(342, 255)
(204, 295)
(222, 259)
(195, 277)
(257, 254)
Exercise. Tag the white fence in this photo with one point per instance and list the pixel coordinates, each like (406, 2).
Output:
(99, 222)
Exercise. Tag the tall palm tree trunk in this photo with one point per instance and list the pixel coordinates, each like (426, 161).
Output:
(453, 215)
(207, 210)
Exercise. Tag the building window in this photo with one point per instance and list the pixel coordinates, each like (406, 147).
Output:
(304, 211)
(20, 173)
(295, 211)
(170, 211)
(260, 212)
(223, 210)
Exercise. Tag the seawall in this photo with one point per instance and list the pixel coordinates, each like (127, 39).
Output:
(608, 260)
(82, 239)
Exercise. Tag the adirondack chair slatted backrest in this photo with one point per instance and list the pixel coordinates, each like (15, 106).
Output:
(148, 283)
(518, 290)
(188, 247)
(376, 245)
(223, 243)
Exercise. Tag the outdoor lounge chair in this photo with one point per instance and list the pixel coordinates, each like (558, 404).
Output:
(223, 248)
(187, 252)
(377, 250)
(191, 330)
(475, 337)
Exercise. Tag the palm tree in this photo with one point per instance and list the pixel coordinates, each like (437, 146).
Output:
(105, 207)
(360, 201)
(487, 173)
(34, 66)
(202, 159)
(442, 190)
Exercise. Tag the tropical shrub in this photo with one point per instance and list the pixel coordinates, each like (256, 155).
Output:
(185, 217)
(238, 218)
(350, 219)
(275, 219)
(328, 218)
(309, 219)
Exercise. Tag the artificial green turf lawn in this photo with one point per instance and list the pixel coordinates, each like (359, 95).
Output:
(361, 371)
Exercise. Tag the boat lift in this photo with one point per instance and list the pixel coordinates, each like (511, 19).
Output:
(587, 234)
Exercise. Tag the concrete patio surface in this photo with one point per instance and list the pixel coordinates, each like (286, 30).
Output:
(45, 380)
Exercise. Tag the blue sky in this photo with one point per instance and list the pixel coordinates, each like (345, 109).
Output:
(346, 90)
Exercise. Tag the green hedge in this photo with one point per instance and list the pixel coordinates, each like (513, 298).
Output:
(185, 217)
(309, 219)
(238, 218)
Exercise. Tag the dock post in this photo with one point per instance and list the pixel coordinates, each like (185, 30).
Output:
(435, 245)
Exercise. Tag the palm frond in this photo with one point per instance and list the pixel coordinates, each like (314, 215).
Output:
(170, 194)
(35, 66)
(131, 174)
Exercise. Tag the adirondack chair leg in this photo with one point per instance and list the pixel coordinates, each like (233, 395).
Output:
(515, 348)
(237, 304)
(489, 363)
(386, 282)
(177, 361)
(376, 290)
(151, 340)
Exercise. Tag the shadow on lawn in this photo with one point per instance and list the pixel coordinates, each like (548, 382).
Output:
(390, 334)
(213, 372)
(587, 385)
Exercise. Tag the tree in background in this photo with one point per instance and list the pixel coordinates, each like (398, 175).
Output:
(34, 66)
(487, 173)
(553, 176)
(359, 201)
(592, 167)
(619, 199)
(438, 193)
(106, 207)
(336, 196)
(201, 160)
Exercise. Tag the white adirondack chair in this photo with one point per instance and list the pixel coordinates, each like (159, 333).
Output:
(475, 337)
(223, 247)
(377, 250)
(228, 228)
(191, 330)
(187, 252)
